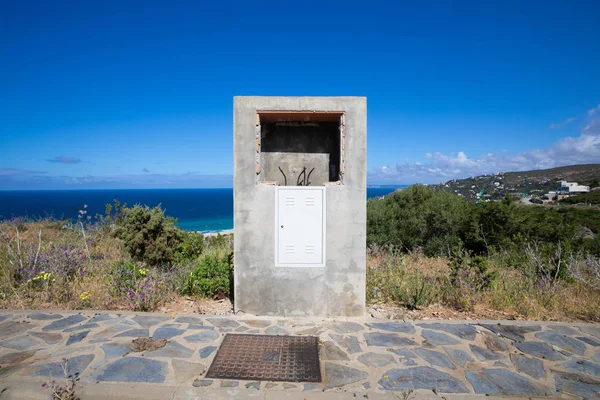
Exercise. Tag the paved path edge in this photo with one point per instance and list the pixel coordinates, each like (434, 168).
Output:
(17, 389)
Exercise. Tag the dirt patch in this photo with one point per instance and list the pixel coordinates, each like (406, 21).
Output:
(146, 344)
(190, 305)
(438, 312)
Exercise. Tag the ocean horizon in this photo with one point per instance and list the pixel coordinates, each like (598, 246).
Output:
(203, 210)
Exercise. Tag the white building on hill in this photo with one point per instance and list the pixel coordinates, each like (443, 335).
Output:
(572, 188)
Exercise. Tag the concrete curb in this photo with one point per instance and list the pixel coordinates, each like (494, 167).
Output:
(20, 390)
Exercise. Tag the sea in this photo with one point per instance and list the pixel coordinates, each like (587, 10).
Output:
(204, 210)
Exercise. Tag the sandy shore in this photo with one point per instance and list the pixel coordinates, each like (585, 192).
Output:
(224, 232)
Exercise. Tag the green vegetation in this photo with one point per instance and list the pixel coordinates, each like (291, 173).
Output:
(131, 257)
(499, 255)
(148, 235)
(212, 276)
(591, 198)
(439, 223)
(428, 249)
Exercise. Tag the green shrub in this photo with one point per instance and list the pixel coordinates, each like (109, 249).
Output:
(442, 245)
(190, 248)
(413, 217)
(469, 279)
(421, 291)
(437, 221)
(148, 235)
(212, 276)
(221, 242)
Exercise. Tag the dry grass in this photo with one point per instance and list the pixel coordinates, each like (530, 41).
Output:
(513, 294)
(104, 251)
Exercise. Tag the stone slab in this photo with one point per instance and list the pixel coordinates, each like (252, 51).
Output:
(75, 365)
(540, 350)
(376, 360)
(583, 386)
(148, 321)
(513, 332)
(398, 327)
(204, 336)
(77, 337)
(459, 356)
(504, 382)
(528, 365)
(19, 343)
(64, 322)
(421, 378)
(135, 333)
(185, 370)
(563, 341)
(349, 343)
(339, 375)
(438, 338)
(167, 333)
(387, 340)
(171, 350)
(463, 331)
(435, 358)
(134, 369)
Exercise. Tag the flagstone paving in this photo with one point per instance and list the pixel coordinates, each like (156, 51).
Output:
(363, 356)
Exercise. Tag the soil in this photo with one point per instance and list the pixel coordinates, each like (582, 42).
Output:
(437, 312)
(146, 344)
(190, 305)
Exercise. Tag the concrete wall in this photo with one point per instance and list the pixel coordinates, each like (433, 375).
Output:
(338, 289)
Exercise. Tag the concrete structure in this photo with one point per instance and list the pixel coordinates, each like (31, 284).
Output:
(572, 188)
(300, 205)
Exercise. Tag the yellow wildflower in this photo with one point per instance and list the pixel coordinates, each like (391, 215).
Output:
(85, 295)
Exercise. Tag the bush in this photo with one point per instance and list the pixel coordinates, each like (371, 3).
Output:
(212, 276)
(469, 278)
(148, 235)
(190, 248)
(419, 216)
(221, 242)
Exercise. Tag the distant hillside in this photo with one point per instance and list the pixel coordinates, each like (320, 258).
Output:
(495, 186)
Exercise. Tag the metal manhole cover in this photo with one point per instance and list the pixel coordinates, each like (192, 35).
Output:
(267, 358)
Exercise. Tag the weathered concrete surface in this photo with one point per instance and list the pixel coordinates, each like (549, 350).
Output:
(338, 289)
(368, 358)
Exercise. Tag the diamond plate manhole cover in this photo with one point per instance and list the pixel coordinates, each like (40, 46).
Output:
(267, 358)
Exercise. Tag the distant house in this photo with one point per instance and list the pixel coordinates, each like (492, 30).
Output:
(572, 188)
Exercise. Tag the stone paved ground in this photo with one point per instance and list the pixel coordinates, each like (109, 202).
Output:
(363, 357)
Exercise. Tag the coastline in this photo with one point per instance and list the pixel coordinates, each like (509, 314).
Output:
(215, 233)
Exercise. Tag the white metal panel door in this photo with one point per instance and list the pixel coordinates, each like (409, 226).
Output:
(300, 227)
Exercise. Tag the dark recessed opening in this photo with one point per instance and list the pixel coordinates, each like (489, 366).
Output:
(300, 149)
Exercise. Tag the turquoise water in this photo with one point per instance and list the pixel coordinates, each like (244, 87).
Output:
(206, 210)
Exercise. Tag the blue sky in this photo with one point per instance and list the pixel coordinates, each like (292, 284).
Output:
(139, 94)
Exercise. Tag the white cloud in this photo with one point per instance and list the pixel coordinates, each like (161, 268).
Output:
(563, 123)
(594, 111)
(582, 149)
